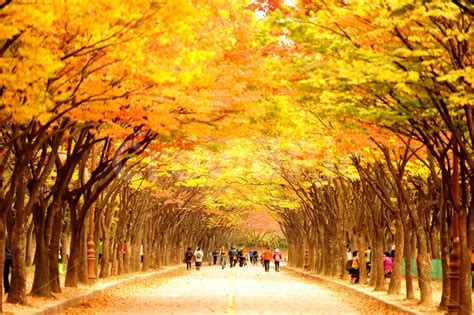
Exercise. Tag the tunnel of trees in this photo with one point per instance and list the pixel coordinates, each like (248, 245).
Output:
(164, 123)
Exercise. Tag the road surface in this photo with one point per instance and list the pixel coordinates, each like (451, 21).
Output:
(247, 290)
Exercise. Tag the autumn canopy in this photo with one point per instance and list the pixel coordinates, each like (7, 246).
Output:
(169, 123)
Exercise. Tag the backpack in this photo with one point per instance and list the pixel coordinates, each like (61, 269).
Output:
(189, 255)
(277, 257)
(198, 255)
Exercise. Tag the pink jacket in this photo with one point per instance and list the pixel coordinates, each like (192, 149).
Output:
(387, 264)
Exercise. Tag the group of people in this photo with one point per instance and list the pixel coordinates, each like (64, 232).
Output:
(241, 256)
(234, 256)
(267, 256)
(353, 263)
(198, 255)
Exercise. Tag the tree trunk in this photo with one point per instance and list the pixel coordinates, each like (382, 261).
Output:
(83, 276)
(343, 259)
(41, 286)
(3, 219)
(362, 246)
(17, 292)
(54, 246)
(97, 235)
(410, 293)
(29, 245)
(312, 251)
(426, 295)
(395, 285)
(326, 253)
(465, 287)
(66, 243)
(73, 266)
(320, 251)
(105, 259)
(145, 240)
(444, 240)
(377, 260)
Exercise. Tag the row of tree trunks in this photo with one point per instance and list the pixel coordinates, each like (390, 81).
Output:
(378, 210)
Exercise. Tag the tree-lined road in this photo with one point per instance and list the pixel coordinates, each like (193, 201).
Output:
(247, 290)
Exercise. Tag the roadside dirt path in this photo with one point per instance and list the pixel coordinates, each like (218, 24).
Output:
(247, 290)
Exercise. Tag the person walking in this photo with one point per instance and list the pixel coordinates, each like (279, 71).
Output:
(241, 256)
(255, 257)
(354, 270)
(232, 256)
(349, 253)
(100, 249)
(215, 254)
(188, 258)
(209, 259)
(368, 258)
(7, 264)
(276, 259)
(222, 256)
(235, 254)
(198, 254)
(387, 265)
(267, 256)
(124, 249)
(230, 253)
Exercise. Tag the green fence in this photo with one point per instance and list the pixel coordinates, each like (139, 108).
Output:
(436, 272)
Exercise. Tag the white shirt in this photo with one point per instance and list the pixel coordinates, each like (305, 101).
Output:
(196, 255)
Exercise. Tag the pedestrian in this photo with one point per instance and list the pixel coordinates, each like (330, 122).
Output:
(276, 259)
(387, 265)
(141, 253)
(100, 249)
(232, 256)
(255, 257)
(198, 255)
(209, 258)
(222, 256)
(188, 258)
(354, 270)
(124, 249)
(392, 253)
(230, 253)
(349, 253)
(7, 264)
(60, 253)
(235, 256)
(267, 256)
(241, 256)
(215, 254)
(368, 256)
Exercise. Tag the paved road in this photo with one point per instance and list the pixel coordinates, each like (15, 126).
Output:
(247, 290)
